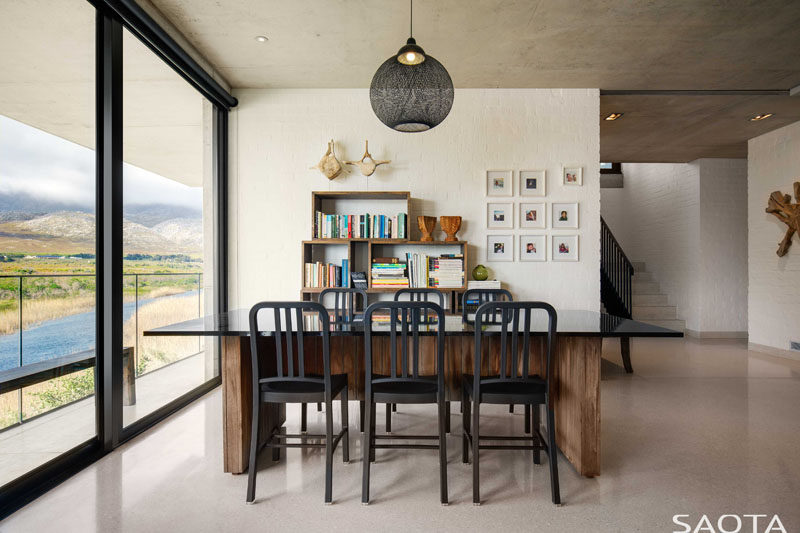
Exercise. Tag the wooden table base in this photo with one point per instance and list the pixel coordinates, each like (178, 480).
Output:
(576, 394)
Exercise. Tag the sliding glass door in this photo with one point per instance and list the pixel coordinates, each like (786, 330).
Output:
(113, 171)
(47, 232)
(168, 237)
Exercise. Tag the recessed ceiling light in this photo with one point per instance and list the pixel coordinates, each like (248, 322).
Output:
(261, 38)
(614, 116)
(761, 117)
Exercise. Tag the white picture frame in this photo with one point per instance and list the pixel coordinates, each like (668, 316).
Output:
(572, 176)
(499, 215)
(499, 247)
(565, 248)
(533, 215)
(533, 247)
(499, 183)
(564, 215)
(532, 183)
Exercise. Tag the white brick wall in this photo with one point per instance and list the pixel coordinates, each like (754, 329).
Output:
(688, 223)
(281, 133)
(774, 288)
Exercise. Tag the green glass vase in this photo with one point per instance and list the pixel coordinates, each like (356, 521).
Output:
(480, 273)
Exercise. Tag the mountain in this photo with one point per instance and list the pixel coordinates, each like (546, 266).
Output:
(27, 204)
(150, 215)
(183, 231)
(73, 231)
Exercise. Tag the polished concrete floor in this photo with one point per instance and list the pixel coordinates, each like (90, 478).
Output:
(702, 427)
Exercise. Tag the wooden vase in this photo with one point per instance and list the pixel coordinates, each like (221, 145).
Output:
(450, 225)
(426, 226)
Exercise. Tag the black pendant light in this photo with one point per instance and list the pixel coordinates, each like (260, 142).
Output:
(411, 91)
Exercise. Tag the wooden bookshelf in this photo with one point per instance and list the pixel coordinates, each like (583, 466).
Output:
(366, 249)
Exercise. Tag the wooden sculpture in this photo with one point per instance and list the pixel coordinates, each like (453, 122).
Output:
(450, 225)
(426, 226)
(367, 164)
(329, 165)
(782, 207)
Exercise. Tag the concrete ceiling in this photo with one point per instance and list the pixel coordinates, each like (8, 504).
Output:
(630, 45)
(47, 81)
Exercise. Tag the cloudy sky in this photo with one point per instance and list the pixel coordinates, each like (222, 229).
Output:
(47, 167)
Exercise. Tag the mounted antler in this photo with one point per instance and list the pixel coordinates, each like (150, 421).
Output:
(784, 210)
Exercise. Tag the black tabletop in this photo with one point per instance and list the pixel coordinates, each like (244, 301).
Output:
(570, 323)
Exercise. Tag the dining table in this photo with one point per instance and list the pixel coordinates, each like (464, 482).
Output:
(576, 365)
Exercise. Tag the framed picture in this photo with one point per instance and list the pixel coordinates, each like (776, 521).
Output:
(565, 216)
(532, 215)
(499, 183)
(499, 247)
(532, 248)
(573, 175)
(532, 183)
(499, 215)
(565, 248)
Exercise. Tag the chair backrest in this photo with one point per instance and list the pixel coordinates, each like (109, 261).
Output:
(520, 315)
(409, 363)
(481, 296)
(286, 327)
(420, 295)
(345, 303)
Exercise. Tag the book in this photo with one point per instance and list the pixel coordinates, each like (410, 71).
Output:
(365, 226)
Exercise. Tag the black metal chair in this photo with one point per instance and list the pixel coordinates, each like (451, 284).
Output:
(345, 310)
(515, 385)
(481, 296)
(293, 385)
(419, 295)
(404, 384)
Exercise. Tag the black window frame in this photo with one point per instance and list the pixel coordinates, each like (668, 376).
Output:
(112, 17)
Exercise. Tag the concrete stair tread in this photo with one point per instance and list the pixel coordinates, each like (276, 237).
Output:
(650, 299)
(645, 287)
(659, 312)
(678, 325)
(643, 276)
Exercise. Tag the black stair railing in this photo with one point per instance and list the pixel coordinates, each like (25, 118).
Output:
(616, 275)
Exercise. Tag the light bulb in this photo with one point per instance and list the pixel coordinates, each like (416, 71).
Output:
(410, 57)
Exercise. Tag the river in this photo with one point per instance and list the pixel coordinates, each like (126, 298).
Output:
(61, 336)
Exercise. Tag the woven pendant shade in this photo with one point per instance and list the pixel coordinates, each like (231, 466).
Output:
(411, 98)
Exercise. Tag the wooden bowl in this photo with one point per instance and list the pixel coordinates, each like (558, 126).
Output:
(450, 225)
(426, 226)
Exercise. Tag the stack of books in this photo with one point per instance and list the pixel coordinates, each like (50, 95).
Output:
(319, 275)
(443, 272)
(447, 271)
(388, 272)
(488, 284)
(360, 226)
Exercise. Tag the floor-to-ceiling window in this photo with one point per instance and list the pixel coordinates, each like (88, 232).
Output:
(168, 213)
(47, 232)
(108, 157)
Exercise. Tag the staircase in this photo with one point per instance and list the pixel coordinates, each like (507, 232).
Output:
(650, 305)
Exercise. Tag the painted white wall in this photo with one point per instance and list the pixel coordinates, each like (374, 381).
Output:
(774, 282)
(278, 134)
(688, 223)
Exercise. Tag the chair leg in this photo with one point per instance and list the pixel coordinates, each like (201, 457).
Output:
(552, 456)
(388, 418)
(442, 453)
(394, 407)
(319, 407)
(251, 468)
(345, 426)
(625, 349)
(447, 416)
(372, 425)
(536, 415)
(276, 452)
(366, 454)
(303, 418)
(511, 408)
(465, 412)
(476, 478)
(361, 415)
(328, 451)
(527, 418)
